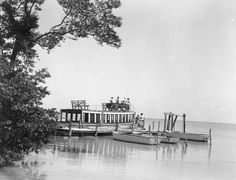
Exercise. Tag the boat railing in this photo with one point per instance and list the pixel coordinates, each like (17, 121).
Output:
(95, 107)
(101, 108)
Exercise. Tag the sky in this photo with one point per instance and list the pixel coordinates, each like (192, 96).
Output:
(176, 56)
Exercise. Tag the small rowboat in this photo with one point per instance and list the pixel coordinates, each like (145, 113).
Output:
(136, 138)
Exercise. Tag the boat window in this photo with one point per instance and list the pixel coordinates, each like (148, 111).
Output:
(120, 119)
(132, 117)
(73, 117)
(92, 118)
(78, 117)
(86, 117)
(116, 117)
(112, 118)
(63, 117)
(98, 118)
(108, 118)
(103, 117)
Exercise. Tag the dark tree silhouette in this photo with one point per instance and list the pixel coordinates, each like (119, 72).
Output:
(24, 124)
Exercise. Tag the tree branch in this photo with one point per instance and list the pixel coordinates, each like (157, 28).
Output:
(60, 23)
(19, 6)
(32, 6)
(26, 7)
(51, 30)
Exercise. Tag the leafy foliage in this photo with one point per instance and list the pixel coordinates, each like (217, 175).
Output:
(24, 124)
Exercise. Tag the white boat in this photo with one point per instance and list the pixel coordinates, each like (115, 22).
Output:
(161, 136)
(136, 138)
(104, 119)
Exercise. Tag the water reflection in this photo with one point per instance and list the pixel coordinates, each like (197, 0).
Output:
(96, 147)
(24, 170)
(105, 148)
(101, 153)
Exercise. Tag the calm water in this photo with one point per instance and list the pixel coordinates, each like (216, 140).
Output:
(94, 158)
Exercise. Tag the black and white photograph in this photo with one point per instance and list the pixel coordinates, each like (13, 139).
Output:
(117, 89)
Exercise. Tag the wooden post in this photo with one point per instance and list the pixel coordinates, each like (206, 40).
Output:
(132, 126)
(153, 123)
(185, 142)
(210, 136)
(157, 135)
(60, 116)
(96, 133)
(79, 121)
(66, 116)
(172, 122)
(173, 125)
(168, 122)
(149, 129)
(70, 123)
(184, 123)
(76, 116)
(165, 123)
(158, 129)
(118, 125)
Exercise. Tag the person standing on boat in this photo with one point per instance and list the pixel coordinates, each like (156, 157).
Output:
(128, 104)
(111, 101)
(137, 119)
(142, 118)
(117, 100)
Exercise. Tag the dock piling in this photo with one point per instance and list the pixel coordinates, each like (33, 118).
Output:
(153, 123)
(210, 136)
(164, 130)
(184, 116)
(149, 129)
(70, 130)
(96, 133)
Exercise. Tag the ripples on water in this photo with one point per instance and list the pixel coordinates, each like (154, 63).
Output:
(103, 158)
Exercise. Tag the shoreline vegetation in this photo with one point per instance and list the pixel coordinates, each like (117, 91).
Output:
(24, 124)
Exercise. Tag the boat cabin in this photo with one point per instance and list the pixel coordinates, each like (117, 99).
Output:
(110, 113)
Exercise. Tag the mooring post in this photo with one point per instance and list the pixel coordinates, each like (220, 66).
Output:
(168, 122)
(116, 129)
(210, 136)
(70, 130)
(149, 129)
(153, 123)
(158, 129)
(96, 133)
(172, 122)
(185, 142)
(184, 116)
(157, 136)
(164, 124)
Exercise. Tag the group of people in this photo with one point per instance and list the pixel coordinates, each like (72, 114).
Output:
(117, 101)
(139, 118)
(117, 105)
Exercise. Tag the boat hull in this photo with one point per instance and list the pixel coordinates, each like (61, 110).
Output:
(136, 138)
(188, 136)
(168, 140)
(92, 129)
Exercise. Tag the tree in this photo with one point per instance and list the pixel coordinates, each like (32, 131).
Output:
(24, 124)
